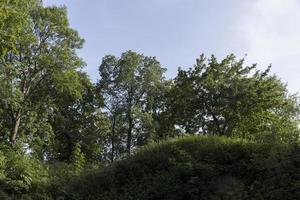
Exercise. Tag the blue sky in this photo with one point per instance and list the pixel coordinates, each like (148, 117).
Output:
(178, 31)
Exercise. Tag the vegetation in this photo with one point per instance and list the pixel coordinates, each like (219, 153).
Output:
(59, 130)
(229, 98)
(198, 167)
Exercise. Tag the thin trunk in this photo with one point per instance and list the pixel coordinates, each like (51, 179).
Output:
(130, 120)
(16, 126)
(129, 134)
(113, 139)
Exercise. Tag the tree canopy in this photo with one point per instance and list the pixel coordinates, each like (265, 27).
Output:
(230, 98)
(131, 87)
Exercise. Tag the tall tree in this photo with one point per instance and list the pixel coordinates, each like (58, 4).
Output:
(130, 85)
(229, 98)
(41, 63)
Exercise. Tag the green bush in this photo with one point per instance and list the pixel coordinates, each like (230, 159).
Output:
(21, 176)
(61, 173)
(197, 168)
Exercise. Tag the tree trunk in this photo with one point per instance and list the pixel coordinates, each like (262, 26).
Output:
(129, 134)
(16, 126)
(113, 140)
(130, 120)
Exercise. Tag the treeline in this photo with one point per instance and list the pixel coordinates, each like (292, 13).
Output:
(51, 112)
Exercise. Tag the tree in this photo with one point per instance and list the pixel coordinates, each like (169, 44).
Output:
(41, 64)
(130, 86)
(229, 98)
(79, 121)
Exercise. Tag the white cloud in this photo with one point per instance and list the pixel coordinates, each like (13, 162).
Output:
(270, 33)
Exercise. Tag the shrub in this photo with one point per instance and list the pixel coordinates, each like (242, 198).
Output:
(197, 168)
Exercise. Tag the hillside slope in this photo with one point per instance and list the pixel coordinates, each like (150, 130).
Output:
(197, 168)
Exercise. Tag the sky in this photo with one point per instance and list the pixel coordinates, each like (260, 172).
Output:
(176, 32)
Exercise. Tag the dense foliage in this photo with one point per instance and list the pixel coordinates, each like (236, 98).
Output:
(198, 167)
(56, 124)
(230, 98)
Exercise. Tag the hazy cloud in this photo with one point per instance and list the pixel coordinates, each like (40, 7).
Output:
(270, 32)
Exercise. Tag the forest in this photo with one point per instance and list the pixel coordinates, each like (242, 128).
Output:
(220, 129)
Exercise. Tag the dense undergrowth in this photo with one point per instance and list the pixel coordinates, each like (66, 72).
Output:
(23, 177)
(197, 168)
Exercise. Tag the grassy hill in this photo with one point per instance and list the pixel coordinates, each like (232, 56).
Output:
(197, 168)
